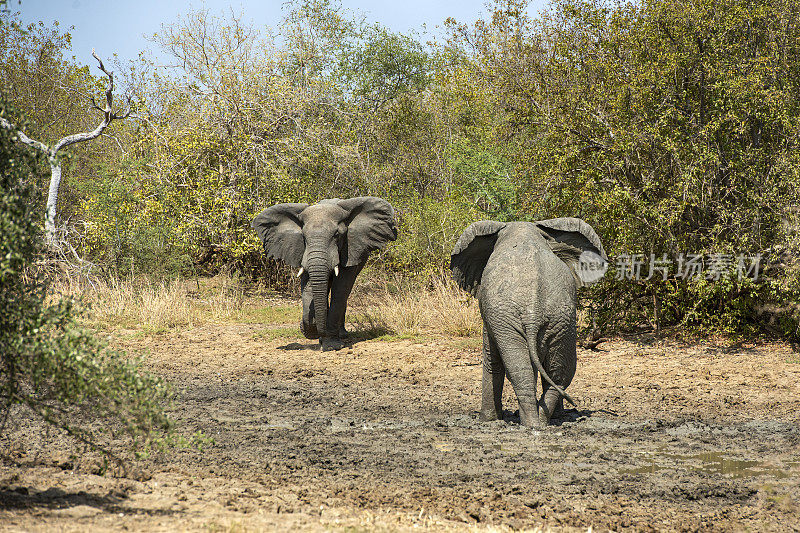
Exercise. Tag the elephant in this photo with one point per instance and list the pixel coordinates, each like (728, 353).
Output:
(525, 276)
(330, 242)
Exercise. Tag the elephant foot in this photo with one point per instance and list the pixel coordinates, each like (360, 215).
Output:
(309, 330)
(489, 416)
(544, 416)
(549, 405)
(530, 416)
(544, 421)
(343, 334)
(331, 343)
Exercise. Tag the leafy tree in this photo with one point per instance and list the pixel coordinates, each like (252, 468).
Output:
(53, 156)
(240, 126)
(40, 79)
(670, 127)
(52, 93)
(382, 65)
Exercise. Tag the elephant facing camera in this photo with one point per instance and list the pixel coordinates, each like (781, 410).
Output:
(329, 242)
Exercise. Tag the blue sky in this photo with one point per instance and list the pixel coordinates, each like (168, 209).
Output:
(120, 26)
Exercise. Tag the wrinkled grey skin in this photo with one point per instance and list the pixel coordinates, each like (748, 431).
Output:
(323, 238)
(524, 276)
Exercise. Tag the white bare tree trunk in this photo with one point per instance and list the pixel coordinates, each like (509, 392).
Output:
(52, 198)
(52, 152)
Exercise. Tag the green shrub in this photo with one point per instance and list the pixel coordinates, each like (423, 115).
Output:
(118, 235)
(428, 229)
(48, 364)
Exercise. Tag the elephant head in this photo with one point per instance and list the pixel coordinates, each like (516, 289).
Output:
(329, 242)
(568, 238)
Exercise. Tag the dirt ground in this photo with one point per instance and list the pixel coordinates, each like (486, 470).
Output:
(384, 436)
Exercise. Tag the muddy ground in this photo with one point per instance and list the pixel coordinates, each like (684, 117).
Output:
(384, 436)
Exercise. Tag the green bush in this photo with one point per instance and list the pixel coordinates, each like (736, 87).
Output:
(428, 229)
(48, 364)
(670, 127)
(118, 235)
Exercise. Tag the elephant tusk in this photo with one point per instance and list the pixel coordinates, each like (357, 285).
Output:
(336, 270)
(300, 272)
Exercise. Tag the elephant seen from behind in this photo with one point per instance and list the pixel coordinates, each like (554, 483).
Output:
(524, 276)
(329, 242)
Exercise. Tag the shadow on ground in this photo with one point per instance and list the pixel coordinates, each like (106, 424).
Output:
(352, 338)
(53, 498)
(567, 416)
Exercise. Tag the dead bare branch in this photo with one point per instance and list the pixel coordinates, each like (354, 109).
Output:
(52, 151)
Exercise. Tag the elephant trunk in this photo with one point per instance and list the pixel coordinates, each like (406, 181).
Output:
(318, 277)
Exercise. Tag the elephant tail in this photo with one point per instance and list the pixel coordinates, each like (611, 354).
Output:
(538, 364)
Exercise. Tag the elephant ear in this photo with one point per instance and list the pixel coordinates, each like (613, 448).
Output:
(570, 237)
(370, 225)
(472, 251)
(281, 231)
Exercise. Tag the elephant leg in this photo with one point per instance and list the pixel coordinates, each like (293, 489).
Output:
(559, 408)
(341, 286)
(308, 326)
(522, 374)
(560, 360)
(494, 374)
(551, 399)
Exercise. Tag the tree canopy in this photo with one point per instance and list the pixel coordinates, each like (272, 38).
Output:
(671, 128)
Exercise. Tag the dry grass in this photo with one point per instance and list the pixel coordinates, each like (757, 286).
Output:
(439, 308)
(157, 305)
(152, 306)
